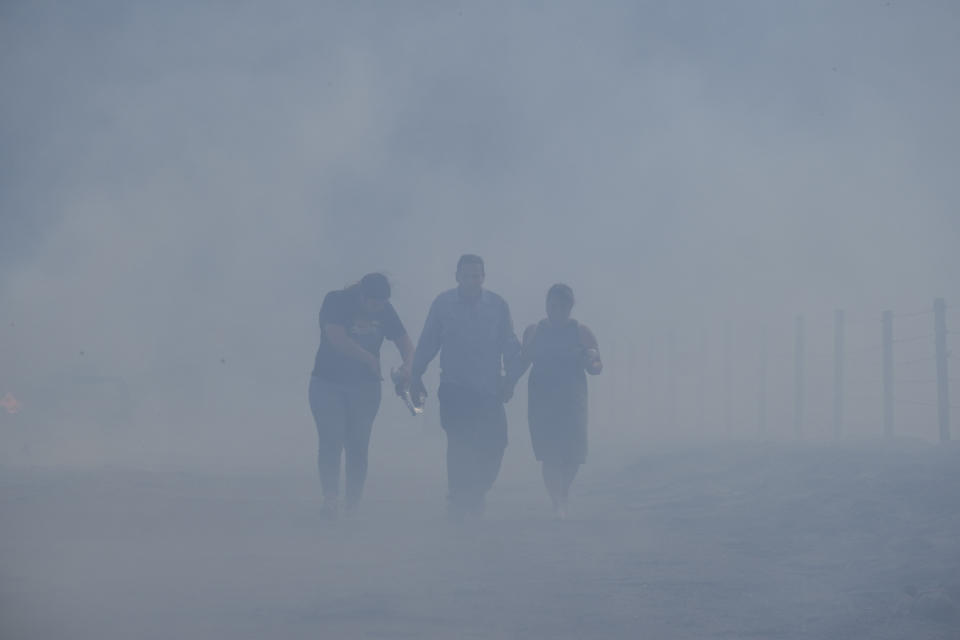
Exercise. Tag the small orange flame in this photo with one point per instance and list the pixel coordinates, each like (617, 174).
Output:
(10, 403)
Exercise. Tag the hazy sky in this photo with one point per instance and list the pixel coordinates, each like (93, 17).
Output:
(180, 183)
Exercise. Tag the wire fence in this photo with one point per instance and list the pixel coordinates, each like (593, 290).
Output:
(807, 379)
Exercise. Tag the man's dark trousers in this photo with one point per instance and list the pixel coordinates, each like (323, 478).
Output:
(476, 428)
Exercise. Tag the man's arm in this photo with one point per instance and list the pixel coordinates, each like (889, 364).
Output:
(429, 343)
(427, 347)
(512, 353)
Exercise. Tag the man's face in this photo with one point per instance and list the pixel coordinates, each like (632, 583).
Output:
(470, 278)
(558, 309)
(373, 305)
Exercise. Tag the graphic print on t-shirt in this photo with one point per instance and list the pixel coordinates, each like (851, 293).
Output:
(343, 308)
(367, 332)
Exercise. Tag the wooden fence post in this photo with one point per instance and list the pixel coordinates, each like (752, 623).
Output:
(887, 339)
(762, 409)
(702, 384)
(798, 378)
(943, 379)
(671, 370)
(727, 381)
(838, 327)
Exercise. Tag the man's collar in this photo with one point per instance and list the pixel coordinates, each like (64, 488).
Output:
(463, 298)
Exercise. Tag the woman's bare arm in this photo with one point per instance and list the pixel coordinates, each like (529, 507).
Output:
(339, 340)
(592, 363)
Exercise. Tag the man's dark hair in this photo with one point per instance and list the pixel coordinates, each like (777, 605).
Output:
(375, 285)
(561, 291)
(469, 258)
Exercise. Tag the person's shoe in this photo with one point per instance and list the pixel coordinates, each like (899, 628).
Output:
(477, 508)
(560, 509)
(330, 509)
(350, 506)
(456, 513)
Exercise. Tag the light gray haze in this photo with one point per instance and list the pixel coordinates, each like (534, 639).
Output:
(182, 182)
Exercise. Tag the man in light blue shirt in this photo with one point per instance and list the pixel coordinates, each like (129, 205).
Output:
(479, 366)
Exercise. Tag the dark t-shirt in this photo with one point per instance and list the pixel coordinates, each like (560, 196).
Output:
(343, 308)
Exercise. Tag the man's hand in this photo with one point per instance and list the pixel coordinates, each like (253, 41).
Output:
(418, 392)
(401, 377)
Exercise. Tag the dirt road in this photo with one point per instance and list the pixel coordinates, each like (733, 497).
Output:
(726, 542)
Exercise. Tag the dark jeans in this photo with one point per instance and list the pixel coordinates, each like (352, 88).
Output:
(476, 428)
(344, 415)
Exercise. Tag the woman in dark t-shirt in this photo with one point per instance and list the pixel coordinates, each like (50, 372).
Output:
(561, 350)
(346, 381)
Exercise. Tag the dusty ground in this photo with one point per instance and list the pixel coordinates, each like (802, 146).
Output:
(752, 541)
